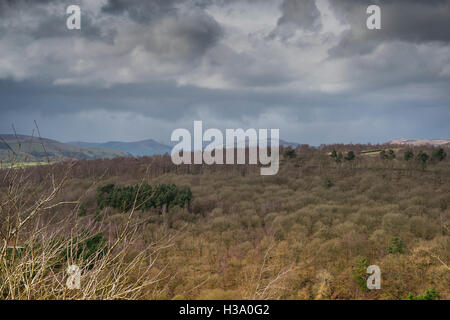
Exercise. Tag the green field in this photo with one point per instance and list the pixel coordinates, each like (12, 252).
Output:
(372, 153)
(23, 164)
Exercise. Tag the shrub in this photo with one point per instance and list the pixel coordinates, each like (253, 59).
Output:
(393, 223)
(422, 158)
(360, 274)
(408, 155)
(350, 156)
(422, 228)
(146, 197)
(82, 210)
(389, 155)
(289, 153)
(395, 245)
(429, 294)
(83, 247)
(333, 154)
(91, 247)
(337, 157)
(438, 155)
(328, 183)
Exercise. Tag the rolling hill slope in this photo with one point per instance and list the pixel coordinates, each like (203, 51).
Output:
(39, 149)
(420, 142)
(148, 147)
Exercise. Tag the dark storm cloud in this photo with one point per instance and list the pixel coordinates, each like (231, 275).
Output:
(7, 5)
(414, 21)
(51, 23)
(185, 38)
(53, 26)
(142, 11)
(301, 13)
(167, 101)
(160, 100)
(189, 32)
(308, 117)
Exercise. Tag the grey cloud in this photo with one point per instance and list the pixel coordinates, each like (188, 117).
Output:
(54, 25)
(174, 41)
(39, 23)
(141, 11)
(308, 118)
(412, 21)
(175, 33)
(296, 14)
(7, 5)
(245, 70)
(144, 11)
(183, 38)
(400, 90)
(167, 101)
(302, 13)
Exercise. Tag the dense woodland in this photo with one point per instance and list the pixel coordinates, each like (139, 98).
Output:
(145, 228)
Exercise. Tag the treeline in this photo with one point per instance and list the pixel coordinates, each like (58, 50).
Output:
(422, 157)
(143, 197)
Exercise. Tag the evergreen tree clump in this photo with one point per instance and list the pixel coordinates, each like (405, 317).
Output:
(396, 245)
(290, 153)
(429, 294)
(88, 248)
(438, 155)
(422, 158)
(408, 155)
(391, 154)
(82, 210)
(360, 274)
(337, 156)
(387, 155)
(142, 197)
(85, 248)
(328, 183)
(350, 156)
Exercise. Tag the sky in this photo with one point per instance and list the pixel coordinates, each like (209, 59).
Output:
(140, 69)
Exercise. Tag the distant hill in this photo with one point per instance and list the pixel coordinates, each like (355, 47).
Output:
(139, 148)
(288, 144)
(148, 147)
(31, 148)
(38, 149)
(420, 142)
(281, 143)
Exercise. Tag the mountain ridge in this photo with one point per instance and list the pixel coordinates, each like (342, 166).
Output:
(148, 147)
(32, 148)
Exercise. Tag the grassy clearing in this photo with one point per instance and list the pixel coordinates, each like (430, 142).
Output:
(24, 164)
(372, 153)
